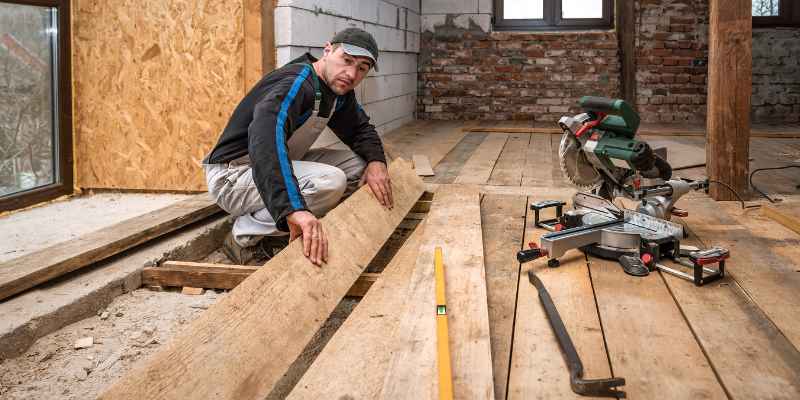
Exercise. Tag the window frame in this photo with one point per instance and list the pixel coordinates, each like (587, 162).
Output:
(63, 176)
(788, 15)
(552, 20)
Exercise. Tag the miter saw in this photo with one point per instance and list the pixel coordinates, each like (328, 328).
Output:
(600, 154)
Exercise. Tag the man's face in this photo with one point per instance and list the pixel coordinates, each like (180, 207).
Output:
(344, 72)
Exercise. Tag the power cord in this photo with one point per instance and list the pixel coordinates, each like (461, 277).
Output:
(771, 200)
(735, 193)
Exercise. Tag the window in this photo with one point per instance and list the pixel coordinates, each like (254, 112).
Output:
(553, 14)
(35, 102)
(767, 13)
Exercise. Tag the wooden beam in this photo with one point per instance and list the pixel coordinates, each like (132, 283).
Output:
(454, 225)
(626, 32)
(241, 346)
(730, 68)
(360, 351)
(19, 274)
(223, 276)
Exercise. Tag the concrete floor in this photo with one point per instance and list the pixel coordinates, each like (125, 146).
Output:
(34, 229)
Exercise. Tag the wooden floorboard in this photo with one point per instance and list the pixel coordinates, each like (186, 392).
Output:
(511, 164)
(360, 351)
(649, 342)
(478, 168)
(538, 162)
(503, 225)
(19, 274)
(749, 354)
(241, 346)
(449, 168)
(433, 139)
(454, 225)
(537, 369)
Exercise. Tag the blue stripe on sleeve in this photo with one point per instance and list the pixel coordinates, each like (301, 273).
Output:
(280, 140)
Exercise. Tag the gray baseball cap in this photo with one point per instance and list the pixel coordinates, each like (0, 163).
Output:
(358, 42)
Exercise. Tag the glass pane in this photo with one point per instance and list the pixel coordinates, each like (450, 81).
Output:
(28, 136)
(523, 9)
(581, 9)
(766, 8)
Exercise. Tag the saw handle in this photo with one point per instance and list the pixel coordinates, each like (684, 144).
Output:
(600, 104)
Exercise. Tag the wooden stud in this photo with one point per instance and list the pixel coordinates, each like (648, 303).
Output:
(626, 32)
(730, 68)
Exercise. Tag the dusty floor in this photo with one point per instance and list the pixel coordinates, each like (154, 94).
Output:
(22, 232)
(133, 326)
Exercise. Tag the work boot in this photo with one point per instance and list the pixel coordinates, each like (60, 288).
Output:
(242, 255)
(272, 245)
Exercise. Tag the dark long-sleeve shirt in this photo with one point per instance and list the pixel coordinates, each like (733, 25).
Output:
(265, 119)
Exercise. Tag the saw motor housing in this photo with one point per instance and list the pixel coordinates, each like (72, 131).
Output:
(599, 151)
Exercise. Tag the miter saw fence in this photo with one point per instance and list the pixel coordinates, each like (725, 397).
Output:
(599, 153)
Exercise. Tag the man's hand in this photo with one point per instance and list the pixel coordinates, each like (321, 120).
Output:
(315, 244)
(377, 177)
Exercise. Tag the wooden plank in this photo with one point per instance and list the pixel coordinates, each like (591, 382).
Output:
(454, 225)
(538, 162)
(649, 342)
(511, 164)
(361, 349)
(764, 257)
(537, 367)
(19, 274)
(259, 336)
(478, 168)
(781, 217)
(433, 139)
(730, 78)
(422, 165)
(203, 275)
(223, 276)
(448, 169)
(748, 352)
(503, 226)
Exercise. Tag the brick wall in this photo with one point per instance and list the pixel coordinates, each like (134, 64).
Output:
(466, 73)
(671, 58)
(776, 75)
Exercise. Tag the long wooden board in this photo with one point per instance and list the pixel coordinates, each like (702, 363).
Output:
(649, 342)
(748, 352)
(511, 165)
(25, 272)
(538, 370)
(360, 351)
(764, 257)
(241, 346)
(448, 169)
(478, 168)
(503, 226)
(454, 225)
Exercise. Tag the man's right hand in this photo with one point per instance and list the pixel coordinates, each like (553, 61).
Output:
(315, 243)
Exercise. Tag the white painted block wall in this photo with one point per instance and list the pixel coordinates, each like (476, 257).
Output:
(389, 97)
(463, 12)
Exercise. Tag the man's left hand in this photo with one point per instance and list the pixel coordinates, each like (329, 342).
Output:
(376, 175)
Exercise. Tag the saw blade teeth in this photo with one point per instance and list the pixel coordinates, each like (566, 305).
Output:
(569, 151)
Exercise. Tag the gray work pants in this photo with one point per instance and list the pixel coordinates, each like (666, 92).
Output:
(325, 177)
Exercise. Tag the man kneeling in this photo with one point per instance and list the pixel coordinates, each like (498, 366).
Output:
(262, 170)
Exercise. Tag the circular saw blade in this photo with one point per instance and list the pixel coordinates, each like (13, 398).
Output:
(574, 164)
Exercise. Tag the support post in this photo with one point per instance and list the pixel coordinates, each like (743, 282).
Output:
(729, 89)
(626, 34)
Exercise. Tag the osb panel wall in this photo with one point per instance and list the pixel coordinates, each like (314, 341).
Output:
(154, 84)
